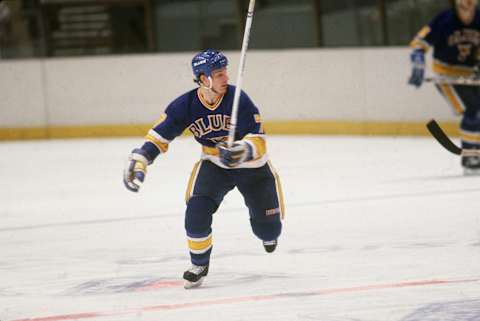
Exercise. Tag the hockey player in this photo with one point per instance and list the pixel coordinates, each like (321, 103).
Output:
(205, 111)
(455, 37)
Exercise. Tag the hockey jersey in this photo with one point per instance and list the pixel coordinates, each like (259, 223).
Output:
(209, 125)
(455, 45)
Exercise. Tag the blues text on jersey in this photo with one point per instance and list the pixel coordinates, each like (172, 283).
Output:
(208, 123)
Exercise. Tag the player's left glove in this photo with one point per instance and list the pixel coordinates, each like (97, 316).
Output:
(239, 152)
(136, 169)
(417, 57)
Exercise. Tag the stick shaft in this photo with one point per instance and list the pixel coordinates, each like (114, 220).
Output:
(241, 68)
(454, 81)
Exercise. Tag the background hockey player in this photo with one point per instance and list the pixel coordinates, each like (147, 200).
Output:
(205, 111)
(455, 37)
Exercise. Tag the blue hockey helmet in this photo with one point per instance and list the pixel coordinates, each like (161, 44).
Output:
(207, 61)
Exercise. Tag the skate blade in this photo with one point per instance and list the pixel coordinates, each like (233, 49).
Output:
(191, 285)
(471, 171)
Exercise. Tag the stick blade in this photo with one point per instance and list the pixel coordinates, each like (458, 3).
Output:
(438, 133)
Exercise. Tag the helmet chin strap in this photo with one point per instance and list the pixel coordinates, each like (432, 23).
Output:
(210, 86)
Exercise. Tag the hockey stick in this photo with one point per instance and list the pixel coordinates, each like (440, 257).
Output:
(438, 133)
(465, 81)
(447, 143)
(241, 67)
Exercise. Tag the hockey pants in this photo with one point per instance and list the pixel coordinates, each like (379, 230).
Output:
(208, 185)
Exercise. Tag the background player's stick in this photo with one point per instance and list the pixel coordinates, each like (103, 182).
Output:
(241, 67)
(466, 81)
(437, 132)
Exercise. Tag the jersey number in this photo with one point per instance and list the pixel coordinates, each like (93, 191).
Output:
(464, 50)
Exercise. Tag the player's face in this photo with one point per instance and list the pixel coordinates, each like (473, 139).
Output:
(220, 80)
(466, 5)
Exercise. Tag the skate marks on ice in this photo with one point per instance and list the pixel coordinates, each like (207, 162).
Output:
(150, 283)
(292, 205)
(434, 178)
(122, 285)
(374, 246)
(318, 317)
(158, 260)
(387, 197)
(86, 222)
(181, 258)
(232, 279)
(468, 310)
(151, 260)
(7, 292)
(317, 249)
(416, 316)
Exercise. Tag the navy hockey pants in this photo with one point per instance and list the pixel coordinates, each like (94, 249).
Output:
(209, 183)
(465, 100)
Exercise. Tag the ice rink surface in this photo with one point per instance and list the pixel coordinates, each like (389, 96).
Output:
(376, 229)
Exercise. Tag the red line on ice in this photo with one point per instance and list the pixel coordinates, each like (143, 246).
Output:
(177, 306)
(77, 316)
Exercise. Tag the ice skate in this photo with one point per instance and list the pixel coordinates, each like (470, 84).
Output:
(471, 171)
(270, 246)
(193, 277)
(471, 165)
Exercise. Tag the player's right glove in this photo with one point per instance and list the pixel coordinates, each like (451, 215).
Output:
(417, 58)
(239, 152)
(136, 169)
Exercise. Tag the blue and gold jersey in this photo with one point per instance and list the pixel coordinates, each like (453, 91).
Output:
(209, 124)
(455, 45)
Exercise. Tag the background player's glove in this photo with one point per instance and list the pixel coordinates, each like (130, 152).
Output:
(239, 152)
(136, 169)
(417, 57)
(476, 71)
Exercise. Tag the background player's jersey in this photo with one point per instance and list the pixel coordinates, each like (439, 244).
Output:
(455, 45)
(209, 124)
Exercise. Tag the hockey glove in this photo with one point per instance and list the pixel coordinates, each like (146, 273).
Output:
(136, 169)
(476, 71)
(417, 57)
(239, 152)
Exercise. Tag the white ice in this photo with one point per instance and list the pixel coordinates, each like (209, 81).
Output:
(376, 229)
